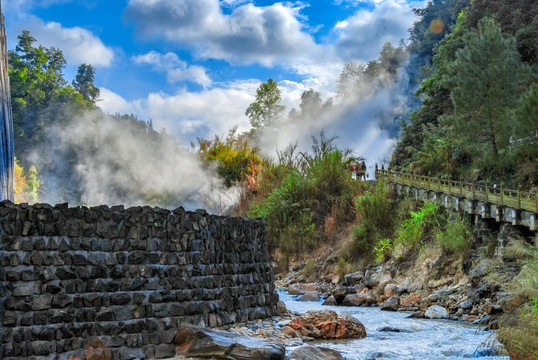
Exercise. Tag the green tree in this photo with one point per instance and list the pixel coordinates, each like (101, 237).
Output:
(267, 109)
(518, 18)
(423, 146)
(433, 24)
(40, 95)
(487, 78)
(524, 140)
(83, 83)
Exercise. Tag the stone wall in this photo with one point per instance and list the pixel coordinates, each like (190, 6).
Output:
(124, 278)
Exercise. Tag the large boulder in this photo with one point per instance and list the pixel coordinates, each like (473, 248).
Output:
(410, 300)
(309, 296)
(330, 301)
(281, 307)
(315, 353)
(359, 300)
(326, 324)
(340, 293)
(391, 304)
(436, 312)
(200, 342)
(300, 289)
(354, 278)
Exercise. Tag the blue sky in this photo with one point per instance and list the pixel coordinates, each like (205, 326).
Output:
(192, 66)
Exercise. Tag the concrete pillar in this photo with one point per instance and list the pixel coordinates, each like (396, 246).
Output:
(482, 230)
(507, 234)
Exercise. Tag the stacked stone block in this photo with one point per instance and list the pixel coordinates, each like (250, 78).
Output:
(125, 278)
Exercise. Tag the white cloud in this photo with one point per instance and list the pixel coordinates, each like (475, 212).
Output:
(362, 35)
(77, 44)
(249, 34)
(113, 103)
(176, 70)
(188, 115)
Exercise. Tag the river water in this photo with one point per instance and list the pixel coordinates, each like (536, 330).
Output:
(417, 339)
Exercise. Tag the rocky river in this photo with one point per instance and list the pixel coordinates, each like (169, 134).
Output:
(350, 332)
(393, 335)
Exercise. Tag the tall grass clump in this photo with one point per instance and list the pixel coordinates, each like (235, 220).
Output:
(456, 236)
(287, 212)
(374, 212)
(413, 231)
(327, 172)
(518, 329)
(299, 192)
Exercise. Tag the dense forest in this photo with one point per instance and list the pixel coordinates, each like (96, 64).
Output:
(468, 69)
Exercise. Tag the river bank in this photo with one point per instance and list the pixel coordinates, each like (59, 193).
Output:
(474, 287)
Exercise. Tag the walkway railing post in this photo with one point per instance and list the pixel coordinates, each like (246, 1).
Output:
(461, 187)
(487, 191)
(474, 191)
(518, 198)
(501, 187)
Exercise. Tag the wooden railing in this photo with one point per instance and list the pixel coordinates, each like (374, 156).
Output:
(483, 192)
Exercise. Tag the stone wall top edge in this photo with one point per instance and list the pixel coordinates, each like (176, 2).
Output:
(179, 211)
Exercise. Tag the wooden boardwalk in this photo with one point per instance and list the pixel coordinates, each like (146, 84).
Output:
(518, 207)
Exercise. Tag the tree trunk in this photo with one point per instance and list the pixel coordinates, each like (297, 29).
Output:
(6, 121)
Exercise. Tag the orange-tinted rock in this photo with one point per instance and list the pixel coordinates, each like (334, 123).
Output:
(511, 302)
(390, 290)
(286, 330)
(327, 324)
(384, 281)
(494, 309)
(470, 318)
(410, 300)
(281, 307)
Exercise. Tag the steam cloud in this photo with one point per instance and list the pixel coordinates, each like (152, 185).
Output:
(123, 162)
(365, 121)
(116, 161)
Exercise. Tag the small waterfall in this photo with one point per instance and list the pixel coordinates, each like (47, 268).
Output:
(6, 121)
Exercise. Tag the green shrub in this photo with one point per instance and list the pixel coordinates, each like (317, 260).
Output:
(300, 192)
(375, 209)
(361, 244)
(288, 216)
(236, 160)
(456, 237)
(413, 231)
(383, 250)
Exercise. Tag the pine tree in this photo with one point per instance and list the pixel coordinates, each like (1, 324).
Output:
(487, 78)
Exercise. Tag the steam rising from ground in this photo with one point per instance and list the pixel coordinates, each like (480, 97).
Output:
(119, 161)
(365, 121)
